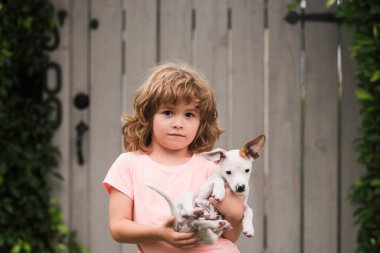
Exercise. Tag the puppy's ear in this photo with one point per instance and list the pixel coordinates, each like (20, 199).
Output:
(217, 155)
(253, 147)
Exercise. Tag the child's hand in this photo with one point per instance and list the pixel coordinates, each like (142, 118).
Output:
(176, 239)
(231, 199)
(232, 207)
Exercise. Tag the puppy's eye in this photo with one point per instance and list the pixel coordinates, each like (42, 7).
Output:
(247, 170)
(228, 172)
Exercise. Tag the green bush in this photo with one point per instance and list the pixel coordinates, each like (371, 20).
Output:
(30, 220)
(363, 17)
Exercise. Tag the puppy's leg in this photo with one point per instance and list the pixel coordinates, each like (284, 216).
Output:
(218, 192)
(217, 225)
(247, 221)
(207, 236)
(204, 231)
(206, 189)
(213, 187)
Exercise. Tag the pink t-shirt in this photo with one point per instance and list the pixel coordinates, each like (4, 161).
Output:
(129, 174)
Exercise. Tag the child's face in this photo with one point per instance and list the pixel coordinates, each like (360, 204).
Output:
(175, 126)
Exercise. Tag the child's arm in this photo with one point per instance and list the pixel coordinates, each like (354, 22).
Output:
(124, 230)
(233, 215)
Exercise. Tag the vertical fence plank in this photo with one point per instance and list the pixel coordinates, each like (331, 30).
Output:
(284, 132)
(80, 84)
(175, 30)
(211, 53)
(351, 170)
(105, 115)
(140, 38)
(246, 99)
(62, 135)
(321, 150)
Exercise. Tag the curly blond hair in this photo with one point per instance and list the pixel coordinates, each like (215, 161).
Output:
(171, 83)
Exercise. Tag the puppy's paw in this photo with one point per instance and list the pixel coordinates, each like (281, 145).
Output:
(218, 194)
(197, 212)
(225, 225)
(248, 231)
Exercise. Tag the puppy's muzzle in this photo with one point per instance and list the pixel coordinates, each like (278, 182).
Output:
(240, 188)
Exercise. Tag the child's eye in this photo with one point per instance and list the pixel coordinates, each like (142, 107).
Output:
(189, 115)
(167, 113)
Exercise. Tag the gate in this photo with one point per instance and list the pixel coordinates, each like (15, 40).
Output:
(292, 82)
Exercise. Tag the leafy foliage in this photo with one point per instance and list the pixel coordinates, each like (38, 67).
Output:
(30, 219)
(363, 17)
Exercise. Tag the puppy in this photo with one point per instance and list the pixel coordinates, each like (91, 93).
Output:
(198, 214)
(235, 170)
(195, 215)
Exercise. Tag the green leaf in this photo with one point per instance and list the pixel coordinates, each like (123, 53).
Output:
(27, 247)
(292, 5)
(375, 30)
(363, 39)
(16, 248)
(62, 246)
(375, 76)
(330, 3)
(363, 95)
(62, 229)
(375, 182)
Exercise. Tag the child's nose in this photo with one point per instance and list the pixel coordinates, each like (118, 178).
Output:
(177, 122)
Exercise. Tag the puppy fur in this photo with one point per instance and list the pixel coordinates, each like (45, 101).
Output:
(235, 170)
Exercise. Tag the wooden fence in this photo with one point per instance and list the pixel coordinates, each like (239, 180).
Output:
(292, 82)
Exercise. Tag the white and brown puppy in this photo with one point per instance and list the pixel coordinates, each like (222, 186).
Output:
(235, 170)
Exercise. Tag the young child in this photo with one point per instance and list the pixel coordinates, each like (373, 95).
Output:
(174, 119)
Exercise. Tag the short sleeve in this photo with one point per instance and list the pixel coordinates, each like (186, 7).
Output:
(211, 168)
(119, 176)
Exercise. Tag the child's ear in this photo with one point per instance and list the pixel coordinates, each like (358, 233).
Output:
(253, 147)
(217, 155)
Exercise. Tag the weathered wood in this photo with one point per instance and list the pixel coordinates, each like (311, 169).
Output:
(247, 100)
(321, 150)
(175, 31)
(210, 56)
(140, 38)
(140, 46)
(105, 139)
(79, 218)
(283, 203)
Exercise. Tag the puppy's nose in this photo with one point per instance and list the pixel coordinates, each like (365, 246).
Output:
(240, 188)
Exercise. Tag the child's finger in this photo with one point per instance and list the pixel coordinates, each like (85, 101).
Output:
(214, 202)
(169, 222)
(188, 240)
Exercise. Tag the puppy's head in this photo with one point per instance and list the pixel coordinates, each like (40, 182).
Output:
(236, 165)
